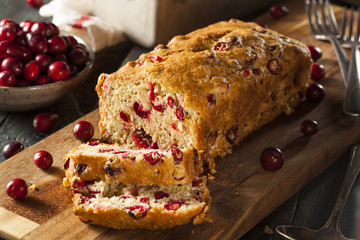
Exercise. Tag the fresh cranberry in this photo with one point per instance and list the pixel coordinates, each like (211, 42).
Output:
(138, 108)
(73, 70)
(83, 131)
(53, 29)
(11, 149)
(309, 127)
(27, 54)
(41, 80)
(278, 11)
(315, 93)
(17, 188)
(26, 25)
(43, 61)
(137, 211)
(80, 168)
(41, 28)
(43, 159)
(160, 195)
(7, 79)
(36, 42)
(44, 122)
(22, 83)
(20, 38)
(317, 72)
(152, 157)
(71, 40)
(78, 57)
(31, 71)
(7, 32)
(58, 71)
(5, 21)
(59, 57)
(274, 66)
(9, 49)
(272, 159)
(57, 45)
(13, 65)
(35, 3)
(315, 52)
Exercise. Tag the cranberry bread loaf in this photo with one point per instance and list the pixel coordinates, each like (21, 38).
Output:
(114, 163)
(153, 207)
(206, 90)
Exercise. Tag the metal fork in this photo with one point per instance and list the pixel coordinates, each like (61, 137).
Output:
(351, 103)
(324, 27)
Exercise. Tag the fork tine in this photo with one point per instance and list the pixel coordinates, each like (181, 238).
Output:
(343, 24)
(358, 25)
(317, 19)
(308, 12)
(324, 21)
(333, 21)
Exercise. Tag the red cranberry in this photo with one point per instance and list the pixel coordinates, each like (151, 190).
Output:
(272, 159)
(26, 53)
(9, 49)
(137, 211)
(141, 139)
(78, 57)
(71, 40)
(58, 71)
(57, 45)
(41, 80)
(36, 42)
(54, 29)
(309, 127)
(67, 164)
(31, 71)
(43, 61)
(20, 38)
(124, 116)
(274, 66)
(7, 32)
(26, 25)
(7, 79)
(41, 28)
(211, 100)
(35, 3)
(22, 83)
(43, 159)
(83, 131)
(60, 57)
(315, 52)
(13, 65)
(180, 114)
(153, 157)
(5, 21)
(11, 149)
(171, 102)
(177, 154)
(278, 11)
(80, 168)
(138, 108)
(315, 93)
(317, 72)
(160, 195)
(44, 122)
(17, 188)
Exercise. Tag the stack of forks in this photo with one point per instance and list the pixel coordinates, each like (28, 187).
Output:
(323, 25)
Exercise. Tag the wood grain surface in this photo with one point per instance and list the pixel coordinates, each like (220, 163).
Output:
(243, 193)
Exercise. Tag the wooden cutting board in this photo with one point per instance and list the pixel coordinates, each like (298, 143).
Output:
(243, 193)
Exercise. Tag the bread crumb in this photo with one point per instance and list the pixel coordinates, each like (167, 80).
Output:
(192, 231)
(33, 187)
(268, 230)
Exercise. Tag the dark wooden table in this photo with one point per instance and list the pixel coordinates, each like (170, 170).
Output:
(309, 207)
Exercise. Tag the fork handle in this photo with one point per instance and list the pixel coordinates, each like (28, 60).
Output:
(352, 172)
(351, 104)
(341, 56)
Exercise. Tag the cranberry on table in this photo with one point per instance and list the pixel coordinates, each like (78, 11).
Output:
(43, 159)
(7, 79)
(83, 131)
(35, 3)
(59, 71)
(315, 93)
(278, 11)
(271, 159)
(17, 188)
(315, 52)
(11, 149)
(309, 127)
(317, 72)
(44, 122)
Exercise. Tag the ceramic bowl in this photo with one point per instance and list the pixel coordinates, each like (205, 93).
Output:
(35, 97)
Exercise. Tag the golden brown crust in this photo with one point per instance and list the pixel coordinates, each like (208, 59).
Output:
(252, 75)
(111, 163)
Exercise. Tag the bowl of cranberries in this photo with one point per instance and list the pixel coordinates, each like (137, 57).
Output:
(39, 64)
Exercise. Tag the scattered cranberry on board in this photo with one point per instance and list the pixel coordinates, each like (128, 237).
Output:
(83, 131)
(44, 122)
(315, 52)
(315, 93)
(35, 3)
(309, 127)
(278, 11)
(43, 159)
(271, 159)
(317, 72)
(17, 188)
(11, 149)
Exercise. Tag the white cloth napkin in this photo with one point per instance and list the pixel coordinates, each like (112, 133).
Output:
(75, 16)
